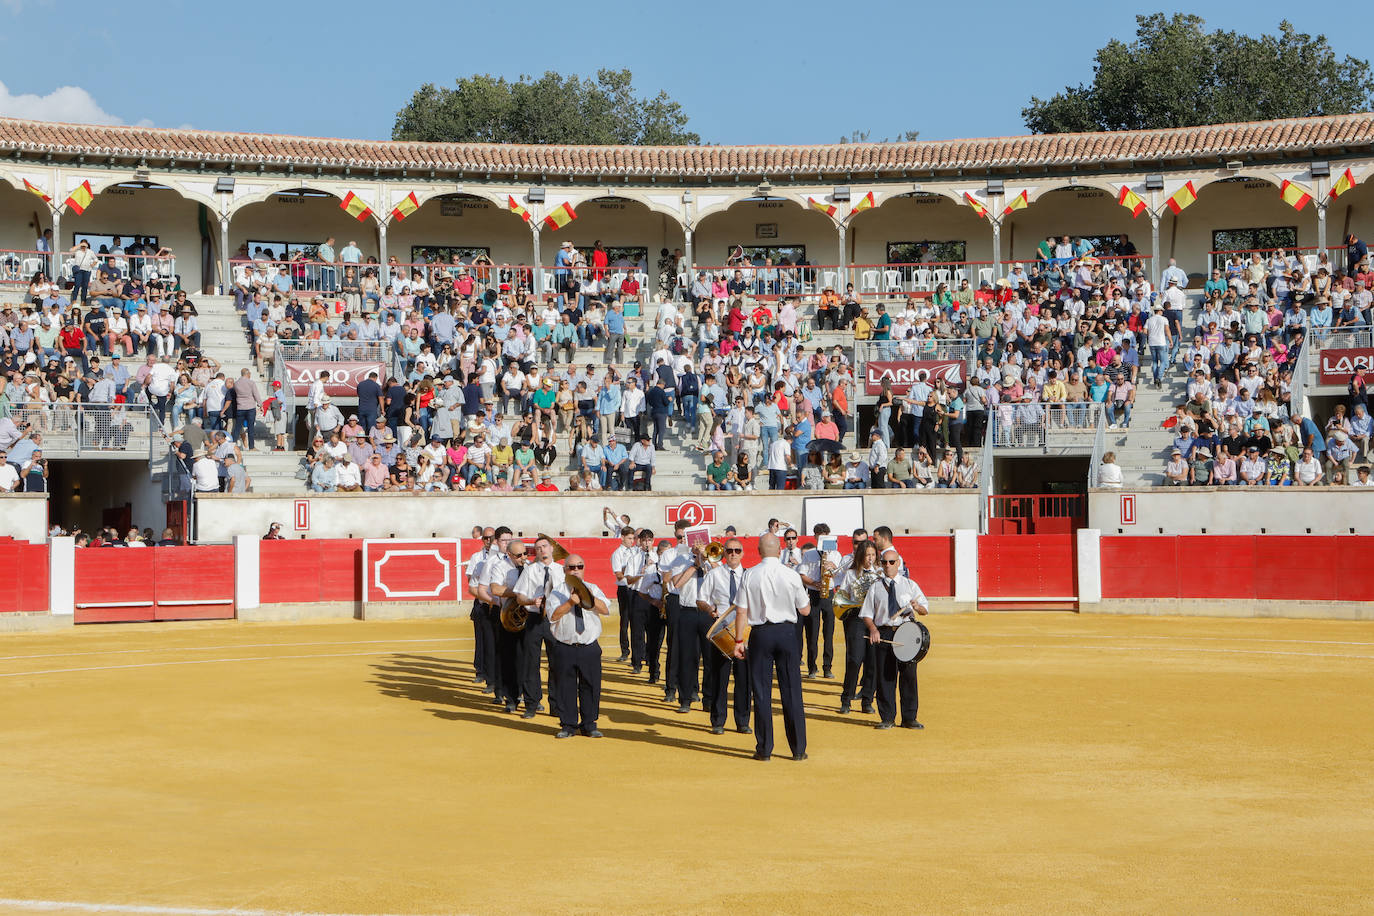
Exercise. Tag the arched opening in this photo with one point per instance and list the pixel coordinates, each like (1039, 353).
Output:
(1081, 213)
(632, 235)
(911, 242)
(1234, 215)
(287, 229)
(1352, 212)
(773, 232)
(23, 219)
(459, 228)
(142, 228)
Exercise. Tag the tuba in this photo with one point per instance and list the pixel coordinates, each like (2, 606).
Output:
(849, 600)
(513, 615)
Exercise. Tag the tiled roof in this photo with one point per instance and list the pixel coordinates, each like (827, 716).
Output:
(1298, 136)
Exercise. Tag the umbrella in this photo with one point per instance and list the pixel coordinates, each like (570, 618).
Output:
(824, 446)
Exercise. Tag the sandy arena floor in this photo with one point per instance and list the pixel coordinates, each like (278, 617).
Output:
(1069, 764)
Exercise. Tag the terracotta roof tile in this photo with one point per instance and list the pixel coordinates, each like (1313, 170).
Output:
(1297, 136)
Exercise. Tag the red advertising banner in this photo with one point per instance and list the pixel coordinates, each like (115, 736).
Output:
(903, 374)
(1334, 367)
(344, 375)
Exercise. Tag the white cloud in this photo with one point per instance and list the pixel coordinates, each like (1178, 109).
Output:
(66, 103)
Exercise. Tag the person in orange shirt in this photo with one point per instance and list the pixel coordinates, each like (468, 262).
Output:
(828, 309)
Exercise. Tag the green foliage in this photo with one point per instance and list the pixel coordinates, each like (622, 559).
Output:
(862, 136)
(550, 109)
(1177, 74)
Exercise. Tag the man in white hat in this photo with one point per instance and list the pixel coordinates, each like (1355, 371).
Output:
(1340, 454)
(1158, 337)
(327, 417)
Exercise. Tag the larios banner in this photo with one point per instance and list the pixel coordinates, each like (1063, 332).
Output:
(905, 373)
(344, 375)
(1336, 366)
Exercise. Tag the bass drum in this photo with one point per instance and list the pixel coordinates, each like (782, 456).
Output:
(722, 633)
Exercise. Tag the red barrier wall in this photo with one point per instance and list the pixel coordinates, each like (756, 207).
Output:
(310, 572)
(156, 583)
(1258, 567)
(24, 584)
(1026, 566)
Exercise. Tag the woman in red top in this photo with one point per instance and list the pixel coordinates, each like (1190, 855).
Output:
(599, 261)
(736, 318)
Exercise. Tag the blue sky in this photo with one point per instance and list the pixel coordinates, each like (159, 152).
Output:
(800, 72)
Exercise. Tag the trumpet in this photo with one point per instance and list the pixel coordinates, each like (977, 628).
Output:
(713, 552)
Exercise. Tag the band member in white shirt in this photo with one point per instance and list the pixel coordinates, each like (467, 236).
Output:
(860, 655)
(890, 601)
(536, 584)
(619, 558)
(650, 601)
(482, 638)
(499, 576)
(641, 557)
(576, 654)
(669, 565)
(716, 596)
(819, 626)
(860, 537)
(772, 600)
(693, 624)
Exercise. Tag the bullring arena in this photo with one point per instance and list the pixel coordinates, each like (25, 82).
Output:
(1149, 603)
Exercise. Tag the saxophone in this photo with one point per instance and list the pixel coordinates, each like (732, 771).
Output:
(849, 600)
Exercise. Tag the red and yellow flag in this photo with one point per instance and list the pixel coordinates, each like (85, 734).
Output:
(356, 207)
(1343, 184)
(1183, 198)
(519, 210)
(827, 209)
(80, 199)
(560, 216)
(1131, 201)
(863, 203)
(1295, 195)
(1019, 202)
(34, 189)
(976, 204)
(408, 205)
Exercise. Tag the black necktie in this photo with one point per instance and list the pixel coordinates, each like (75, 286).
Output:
(733, 585)
(892, 608)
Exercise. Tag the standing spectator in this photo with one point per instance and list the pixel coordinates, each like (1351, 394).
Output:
(247, 401)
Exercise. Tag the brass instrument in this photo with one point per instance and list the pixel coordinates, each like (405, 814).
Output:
(513, 615)
(560, 553)
(827, 576)
(849, 600)
(579, 590)
(714, 552)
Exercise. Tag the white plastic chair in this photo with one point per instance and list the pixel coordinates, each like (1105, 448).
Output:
(831, 279)
(892, 281)
(960, 275)
(1310, 261)
(30, 266)
(984, 276)
(549, 284)
(868, 282)
(920, 279)
(941, 275)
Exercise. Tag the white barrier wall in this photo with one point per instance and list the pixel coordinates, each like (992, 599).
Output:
(24, 517)
(1233, 510)
(341, 515)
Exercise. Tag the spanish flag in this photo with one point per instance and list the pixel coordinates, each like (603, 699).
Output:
(80, 199)
(1343, 184)
(518, 210)
(827, 209)
(408, 205)
(1182, 198)
(1131, 201)
(356, 207)
(560, 216)
(1294, 194)
(976, 204)
(1019, 202)
(34, 189)
(864, 203)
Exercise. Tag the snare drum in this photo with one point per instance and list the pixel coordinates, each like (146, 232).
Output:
(911, 641)
(722, 633)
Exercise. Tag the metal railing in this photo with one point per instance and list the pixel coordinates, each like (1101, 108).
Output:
(18, 265)
(1045, 425)
(1342, 338)
(1099, 448)
(1297, 396)
(773, 280)
(330, 349)
(917, 348)
(1308, 256)
(91, 430)
(985, 473)
(909, 279)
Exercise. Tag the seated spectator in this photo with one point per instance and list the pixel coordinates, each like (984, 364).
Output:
(1109, 472)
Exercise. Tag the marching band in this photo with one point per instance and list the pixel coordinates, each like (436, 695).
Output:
(721, 622)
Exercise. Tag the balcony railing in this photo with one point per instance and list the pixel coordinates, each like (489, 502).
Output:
(121, 431)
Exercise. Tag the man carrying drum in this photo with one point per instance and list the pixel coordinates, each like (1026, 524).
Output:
(716, 596)
(889, 602)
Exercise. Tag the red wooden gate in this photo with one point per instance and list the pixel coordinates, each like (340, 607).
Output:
(1027, 571)
(154, 583)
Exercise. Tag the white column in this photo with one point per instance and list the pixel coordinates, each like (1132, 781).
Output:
(538, 264)
(227, 281)
(57, 249)
(1089, 566)
(384, 274)
(1321, 229)
(687, 255)
(966, 566)
(247, 572)
(996, 247)
(61, 575)
(843, 262)
(1154, 250)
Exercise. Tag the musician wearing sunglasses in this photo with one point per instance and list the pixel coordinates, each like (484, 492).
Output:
(860, 656)
(715, 597)
(639, 561)
(575, 654)
(483, 649)
(693, 623)
(671, 566)
(536, 583)
(892, 600)
(620, 560)
(772, 600)
(499, 577)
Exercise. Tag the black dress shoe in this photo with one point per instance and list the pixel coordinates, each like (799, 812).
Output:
(488, 689)
(746, 730)
(594, 733)
(636, 669)
(867, 708)
(912, 724)
(802, 756)
(717, 729)
(653, 679)
(564, 733)
(538, 707)
(759, 755)
(844, 708)
(623, 658)
(528, 713)
(883, 725)
(684, 708)
(829, 674)
(670, 696)
(511, 707)
(810, 675)
(499, 701)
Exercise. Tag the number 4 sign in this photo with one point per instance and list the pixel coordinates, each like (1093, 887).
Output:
(691, 512)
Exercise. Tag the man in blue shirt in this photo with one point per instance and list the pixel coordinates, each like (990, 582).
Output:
(607, 407)
(801, 437)
(617, 464)
(561, 262)
(615, 334)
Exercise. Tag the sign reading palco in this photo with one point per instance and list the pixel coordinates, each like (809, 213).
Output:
(901, 375)
(344, 375)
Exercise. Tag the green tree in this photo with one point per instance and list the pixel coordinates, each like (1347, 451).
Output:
(550, 109)
(1177, 74)
(862, 136)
